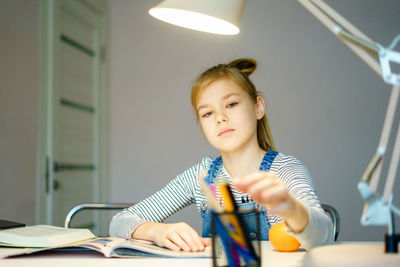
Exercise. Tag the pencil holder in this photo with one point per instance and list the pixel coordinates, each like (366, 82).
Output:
(233, 243)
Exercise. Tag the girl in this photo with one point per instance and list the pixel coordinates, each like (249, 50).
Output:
(232, 117)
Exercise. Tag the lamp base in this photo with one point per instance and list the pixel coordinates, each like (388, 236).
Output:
(391, 243)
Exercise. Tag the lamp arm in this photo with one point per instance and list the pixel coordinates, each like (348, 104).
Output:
(366, 49)
(385, 136)
(371, 48)
(377, 210)
(331, 19)
(372, 165)
(394, 163)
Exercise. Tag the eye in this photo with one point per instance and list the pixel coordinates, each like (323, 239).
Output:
(231, 105)
(208, 114)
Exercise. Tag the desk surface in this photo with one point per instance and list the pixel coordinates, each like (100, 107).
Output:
(270, 257)
(344, 254)
(355, 254)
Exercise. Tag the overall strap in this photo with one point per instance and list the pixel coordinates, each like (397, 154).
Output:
(217, 163)
(267, 160)
(213, 170)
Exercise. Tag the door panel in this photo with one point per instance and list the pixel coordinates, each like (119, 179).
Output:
(76, 141)
(73, 121)
(77, 22)
(75, 136)
(77, 79)
(74, 117)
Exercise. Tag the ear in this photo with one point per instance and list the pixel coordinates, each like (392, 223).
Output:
(260, 107)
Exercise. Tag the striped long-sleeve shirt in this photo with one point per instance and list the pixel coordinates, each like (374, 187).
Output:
(184, 190)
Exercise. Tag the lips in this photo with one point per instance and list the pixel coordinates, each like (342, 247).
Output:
(225, 131)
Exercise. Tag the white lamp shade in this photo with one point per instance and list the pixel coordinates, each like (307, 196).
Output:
(213, 16)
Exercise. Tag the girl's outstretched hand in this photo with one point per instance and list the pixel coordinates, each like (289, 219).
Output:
(265, 188)
(175, 236)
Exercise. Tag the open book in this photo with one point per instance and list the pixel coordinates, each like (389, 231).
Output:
(42, 236)
(116, 247)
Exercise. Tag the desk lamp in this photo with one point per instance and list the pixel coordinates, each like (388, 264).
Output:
(223, 16)
(212, 16)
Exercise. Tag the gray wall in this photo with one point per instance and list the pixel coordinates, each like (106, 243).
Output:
(19, 62)
(325, 105)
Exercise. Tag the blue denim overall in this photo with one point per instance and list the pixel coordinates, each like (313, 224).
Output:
(250, 219)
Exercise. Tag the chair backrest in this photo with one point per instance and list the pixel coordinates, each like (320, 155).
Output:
(94, 206)
(334, 214)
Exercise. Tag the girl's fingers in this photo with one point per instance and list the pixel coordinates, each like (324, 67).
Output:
(242, 184)
(205, 242)
(264, 187)
(263, 184)
(199, 241)
(171, 245)
(189, 240)
(273, 195)
(179, 236)
(191, 237)
(177, 240)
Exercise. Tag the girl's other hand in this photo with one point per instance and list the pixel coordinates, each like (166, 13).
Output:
(265, 188)
(175, 236)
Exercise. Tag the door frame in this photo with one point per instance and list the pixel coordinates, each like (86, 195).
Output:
(48, 23)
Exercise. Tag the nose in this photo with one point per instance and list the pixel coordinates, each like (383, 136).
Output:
(221, 117)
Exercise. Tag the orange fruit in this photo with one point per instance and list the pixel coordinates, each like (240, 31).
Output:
(281, 240)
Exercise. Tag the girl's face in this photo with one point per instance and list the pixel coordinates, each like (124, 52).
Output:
(227, 115)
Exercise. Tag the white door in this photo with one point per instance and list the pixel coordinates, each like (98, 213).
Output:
(74, 121)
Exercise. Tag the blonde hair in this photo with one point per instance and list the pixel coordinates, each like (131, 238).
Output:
(237, 71)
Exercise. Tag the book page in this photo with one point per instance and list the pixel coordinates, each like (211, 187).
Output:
(104, 245)
(138, 247)
(114, 247)
(36, 231)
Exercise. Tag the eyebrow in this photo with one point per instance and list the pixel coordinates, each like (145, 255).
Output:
(223, 98)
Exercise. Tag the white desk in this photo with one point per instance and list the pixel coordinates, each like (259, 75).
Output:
(355, 254)
(270, 257)
(345, 254)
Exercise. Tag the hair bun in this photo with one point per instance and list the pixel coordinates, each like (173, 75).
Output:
(244, 65)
